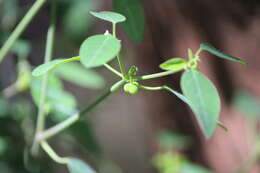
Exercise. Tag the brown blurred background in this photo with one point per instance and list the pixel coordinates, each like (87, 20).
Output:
(126, 126)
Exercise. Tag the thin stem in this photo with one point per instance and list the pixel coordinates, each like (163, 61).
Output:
(119, 58)
(58, 128)
(158, 75)
(113, 70)
(102, 97)
(48, 54)
(47, 148)
(67, 123)
(20, 28)
(114, 29)
(198, 52)
(121, 64)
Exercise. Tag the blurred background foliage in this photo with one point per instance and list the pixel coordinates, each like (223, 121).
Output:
(67, 94)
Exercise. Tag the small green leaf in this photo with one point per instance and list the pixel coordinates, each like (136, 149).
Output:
(134, 26)
(78, 166)
(44, 68)
(98, 50)
(174, 64)
(216, 52)
(77, 74)
(109, 16)
(204, 99)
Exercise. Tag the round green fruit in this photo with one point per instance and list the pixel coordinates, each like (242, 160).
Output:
(131, 88)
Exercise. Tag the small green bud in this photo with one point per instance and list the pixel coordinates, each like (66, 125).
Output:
(131, 88)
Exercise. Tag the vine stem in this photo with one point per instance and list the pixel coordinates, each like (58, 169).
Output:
(47, 148)
(48, 54)
(113, 70)
(157, 75)
(119, 58)
(70, 121)
(20, 28)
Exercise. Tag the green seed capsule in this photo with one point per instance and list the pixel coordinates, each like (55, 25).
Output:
(131, 88)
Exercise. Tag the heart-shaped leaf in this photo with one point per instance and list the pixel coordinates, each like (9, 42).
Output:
(44, 68)
(109, 16)
(78, 166)
(204, 99)
(98, 50)
(216, 52)
(174, 64)
(134, 26)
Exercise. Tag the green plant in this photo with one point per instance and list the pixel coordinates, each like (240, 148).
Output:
(199, 93)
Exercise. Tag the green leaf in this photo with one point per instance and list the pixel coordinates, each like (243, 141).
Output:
(75, 28)
(57, 99)
(109, 16)
(134, 26)
(204, 99)
(44, 68)
(77, 74)
(193, 168)
(247, 103)
(169, 140)
(78, 166)
(174, 64)
(216, 52)
(98, 50)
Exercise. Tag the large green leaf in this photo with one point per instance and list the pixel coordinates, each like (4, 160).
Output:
(216, 52)
(134, 26)
(109, 16)
(77, 74)
(78, 166)
(98, 50)
(174, 64)
(44, 68)
(204, 99)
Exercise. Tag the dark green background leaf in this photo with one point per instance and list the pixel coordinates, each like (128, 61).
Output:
(134, 26)
(77, 74)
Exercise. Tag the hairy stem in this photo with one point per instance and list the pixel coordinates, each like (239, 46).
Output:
(20, 28)
(70, 121)
(47, 148)
(48, 54)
